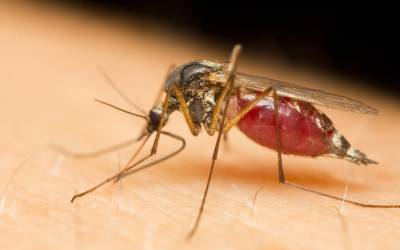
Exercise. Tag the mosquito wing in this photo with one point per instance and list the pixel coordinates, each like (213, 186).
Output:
(315, 96)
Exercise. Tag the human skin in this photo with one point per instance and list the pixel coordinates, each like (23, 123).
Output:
(49, 78)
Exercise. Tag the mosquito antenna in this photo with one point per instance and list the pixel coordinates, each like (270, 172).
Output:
(120, 93)
(102, 151)
(106, 150)
(161, 90)
(123, 110)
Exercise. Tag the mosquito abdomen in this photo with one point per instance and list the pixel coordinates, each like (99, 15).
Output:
(304, 130)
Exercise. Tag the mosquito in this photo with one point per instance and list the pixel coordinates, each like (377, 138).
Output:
(275, 114)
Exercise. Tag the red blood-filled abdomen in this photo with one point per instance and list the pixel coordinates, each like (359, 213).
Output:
(304, 130)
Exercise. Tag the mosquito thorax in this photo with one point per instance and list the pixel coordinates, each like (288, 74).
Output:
(195, 72)
(200, 83)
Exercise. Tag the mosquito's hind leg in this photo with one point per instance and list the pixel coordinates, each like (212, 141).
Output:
(282, 178)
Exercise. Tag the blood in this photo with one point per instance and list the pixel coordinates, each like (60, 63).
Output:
(304, 130)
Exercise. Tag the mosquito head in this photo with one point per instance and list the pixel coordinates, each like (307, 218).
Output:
(154, 119)
(192, 73)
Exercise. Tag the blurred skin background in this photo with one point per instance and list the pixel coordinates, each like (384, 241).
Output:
(49, 57)
(358, 43)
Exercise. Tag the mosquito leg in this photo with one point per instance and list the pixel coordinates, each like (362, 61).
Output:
(233, 62)
(282, 178)
(356, 203)
(214, 158)
(162, 119)
(130, 170)
(153, 151)
(278, 137)
(186, 114)
(228, 85)
(117, 176)
(243, 112)
(164, 158)
(217, 110)
(185, 110)
(230, 80)
(133, 157)
(119, 187)
(157, 100)
(160, 92)
(114, 177)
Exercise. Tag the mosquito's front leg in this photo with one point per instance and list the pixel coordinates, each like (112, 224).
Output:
(114, 177)
(162, 119)
(185, 110)
(229, 83)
